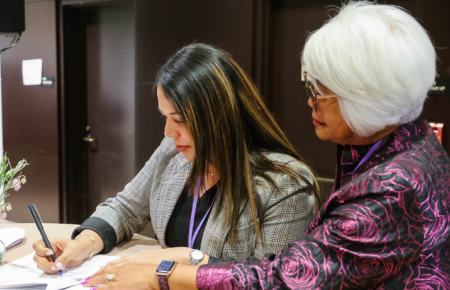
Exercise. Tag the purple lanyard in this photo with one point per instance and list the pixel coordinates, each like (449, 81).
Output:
(368, 154)
(191, 224)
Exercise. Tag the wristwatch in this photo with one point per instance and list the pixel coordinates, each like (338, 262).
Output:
(163, 271)
(196, 257)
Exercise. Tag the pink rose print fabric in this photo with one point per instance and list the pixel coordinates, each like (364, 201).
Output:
(385, 226)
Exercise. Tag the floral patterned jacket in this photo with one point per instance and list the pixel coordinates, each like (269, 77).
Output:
(386, 226)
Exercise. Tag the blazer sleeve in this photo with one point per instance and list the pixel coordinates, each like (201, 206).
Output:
(288, 212)
(364, 239)
(129, 212)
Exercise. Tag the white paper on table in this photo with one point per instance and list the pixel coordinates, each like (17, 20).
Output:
(32, 72)
(12, 236)
(25, 271)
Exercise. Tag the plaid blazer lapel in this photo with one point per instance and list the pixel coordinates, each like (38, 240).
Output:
(172, 184)
(216, 232)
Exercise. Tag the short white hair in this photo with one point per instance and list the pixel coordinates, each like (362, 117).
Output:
(379, 61)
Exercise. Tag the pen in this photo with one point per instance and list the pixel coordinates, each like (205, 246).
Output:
(38, 221)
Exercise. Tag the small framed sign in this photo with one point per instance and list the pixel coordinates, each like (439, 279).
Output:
(32, 72)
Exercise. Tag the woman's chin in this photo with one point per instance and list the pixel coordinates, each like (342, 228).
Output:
(188, 155)
(322, 134)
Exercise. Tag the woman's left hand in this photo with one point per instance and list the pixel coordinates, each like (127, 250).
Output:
(180, 255)
(126, 276)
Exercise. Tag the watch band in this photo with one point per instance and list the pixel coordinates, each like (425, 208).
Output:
(192, 260)
(163, 283)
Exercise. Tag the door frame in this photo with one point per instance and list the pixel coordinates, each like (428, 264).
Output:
(72, 106)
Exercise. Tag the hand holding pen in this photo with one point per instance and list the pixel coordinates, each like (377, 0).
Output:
(38, 221)
(70, 253)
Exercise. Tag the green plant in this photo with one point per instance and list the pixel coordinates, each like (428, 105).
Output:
(10, 178)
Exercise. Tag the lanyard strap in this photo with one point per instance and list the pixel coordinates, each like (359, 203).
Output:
(368, 154)
(191, 224)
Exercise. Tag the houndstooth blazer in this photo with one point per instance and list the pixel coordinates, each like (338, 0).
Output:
(151, 197)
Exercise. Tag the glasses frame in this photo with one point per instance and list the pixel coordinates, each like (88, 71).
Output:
(310, 93)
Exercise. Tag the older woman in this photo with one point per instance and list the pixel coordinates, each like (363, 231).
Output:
(386, 224)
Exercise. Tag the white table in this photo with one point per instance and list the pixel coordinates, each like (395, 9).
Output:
(138, 243)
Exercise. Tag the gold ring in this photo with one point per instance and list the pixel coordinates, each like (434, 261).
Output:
(110, 277)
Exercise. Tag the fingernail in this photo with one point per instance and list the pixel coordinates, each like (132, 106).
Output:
(84, 282)
(102, 266)
(49, 253)
(87, 278)
(142, 250)
(59, 265)
(54, 268)
(63, 268)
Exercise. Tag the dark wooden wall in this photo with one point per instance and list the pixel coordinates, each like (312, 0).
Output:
(435, 17)
(266, 38)
(291, 21)
(30, 115)
(163, 27)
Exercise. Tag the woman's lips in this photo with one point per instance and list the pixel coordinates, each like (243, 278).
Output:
(182, 148)
(317, 123)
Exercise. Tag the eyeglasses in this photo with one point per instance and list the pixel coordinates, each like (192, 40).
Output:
(310, 93)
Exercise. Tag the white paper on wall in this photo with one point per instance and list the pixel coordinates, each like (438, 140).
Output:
(32, 72)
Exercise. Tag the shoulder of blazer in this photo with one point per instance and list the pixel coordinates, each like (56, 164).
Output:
(285, 182)
(291, 162)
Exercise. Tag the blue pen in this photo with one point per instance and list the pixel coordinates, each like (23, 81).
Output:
(38, 221)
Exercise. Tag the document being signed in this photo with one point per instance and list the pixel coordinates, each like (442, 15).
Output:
(25, 272)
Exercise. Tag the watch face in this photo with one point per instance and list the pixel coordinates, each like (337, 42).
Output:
(197, 255)
(165, 266)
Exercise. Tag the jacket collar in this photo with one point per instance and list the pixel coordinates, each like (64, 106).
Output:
(180, 160)
(216, 230)
(349, 156)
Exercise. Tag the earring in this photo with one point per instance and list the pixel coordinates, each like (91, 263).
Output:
(212, 173)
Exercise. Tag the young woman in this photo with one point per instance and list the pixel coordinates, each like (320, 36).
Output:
(225, 179)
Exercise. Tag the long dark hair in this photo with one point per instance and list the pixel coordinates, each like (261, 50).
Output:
(230, 125)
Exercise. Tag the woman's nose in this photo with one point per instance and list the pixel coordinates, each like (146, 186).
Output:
(169, 130)
(310, 103)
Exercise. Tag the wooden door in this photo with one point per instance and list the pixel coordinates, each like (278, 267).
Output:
(110, 101)
(99, 93)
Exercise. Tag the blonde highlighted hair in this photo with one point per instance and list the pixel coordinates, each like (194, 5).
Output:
(231, 128)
